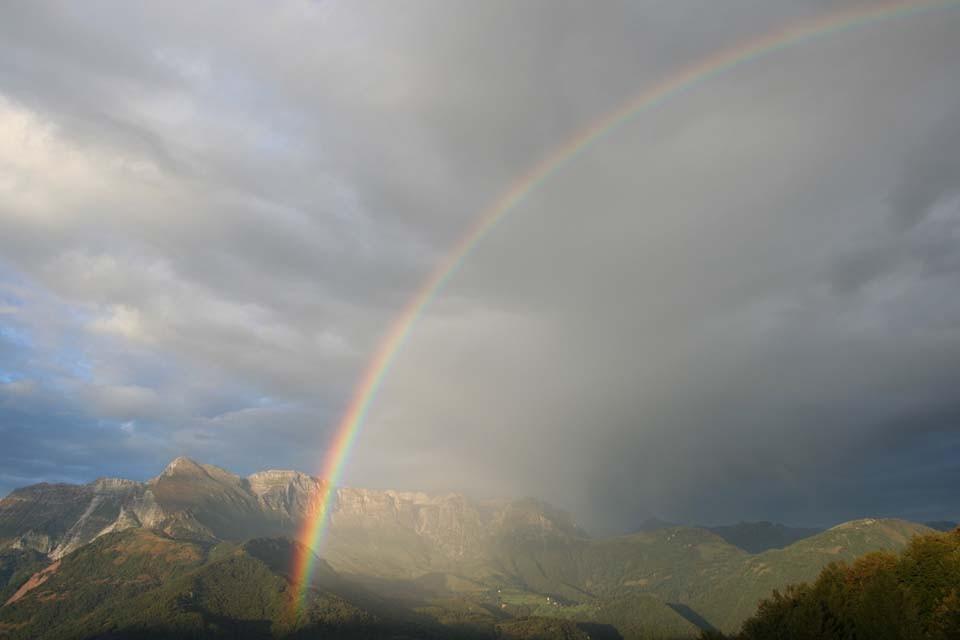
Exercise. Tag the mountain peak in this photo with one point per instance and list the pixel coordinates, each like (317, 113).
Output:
(857, 524)
(182, 465)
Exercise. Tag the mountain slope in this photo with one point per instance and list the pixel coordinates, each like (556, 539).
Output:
(942, 525)
(880, 595)
(387, 533)
(733, 595)
(690, 572)
(436, 558)
(52, 518)
(141, 584)
(16, 567)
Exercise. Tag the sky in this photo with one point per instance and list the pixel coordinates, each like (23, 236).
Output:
(738, 305)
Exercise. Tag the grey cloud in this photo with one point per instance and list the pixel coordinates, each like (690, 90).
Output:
(931, 171)
(924, 201)
(704, 315)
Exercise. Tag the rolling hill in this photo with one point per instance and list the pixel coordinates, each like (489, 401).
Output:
(913, 594)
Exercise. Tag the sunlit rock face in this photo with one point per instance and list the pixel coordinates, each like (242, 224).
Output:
(447, 519)
(439, 527)
(287, 494)
(55, 519)
(186, 500)
(385, 532)
(204, 501)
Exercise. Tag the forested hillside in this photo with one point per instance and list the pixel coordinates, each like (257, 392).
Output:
(914, 595)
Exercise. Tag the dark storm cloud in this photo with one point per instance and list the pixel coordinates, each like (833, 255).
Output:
(926, 188)
(707, 315)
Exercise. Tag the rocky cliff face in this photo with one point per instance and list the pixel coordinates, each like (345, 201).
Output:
(187, 500)
(57, 518)
(286, 494)
(451, 523)
(385, 532)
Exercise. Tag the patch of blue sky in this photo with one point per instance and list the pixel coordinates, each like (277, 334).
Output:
(74, 361)
(23, 356)
(15, 335)
(10, 300)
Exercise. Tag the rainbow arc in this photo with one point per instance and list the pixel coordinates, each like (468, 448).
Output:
(345, 435)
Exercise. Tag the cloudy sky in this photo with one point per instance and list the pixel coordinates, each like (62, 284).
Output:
(740, 304)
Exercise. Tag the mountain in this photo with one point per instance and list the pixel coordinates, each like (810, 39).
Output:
(942, 525)
(55, 519)
(694, 572)
(473, 567)
(187, 500)
(733, 595)
(394, 534)
(913, 594)
(139, 583)
(756, 537)
(16, 567)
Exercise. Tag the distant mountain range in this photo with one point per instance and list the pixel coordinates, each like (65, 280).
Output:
(942, 525)
(756, 537)
(201, 551)
(752, 537)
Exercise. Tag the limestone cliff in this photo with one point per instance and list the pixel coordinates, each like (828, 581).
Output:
(390, 533)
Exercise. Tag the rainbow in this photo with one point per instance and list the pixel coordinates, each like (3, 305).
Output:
(338, 452)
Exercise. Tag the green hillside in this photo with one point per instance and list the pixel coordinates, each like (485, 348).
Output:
(141, 584)
(733, 594)
(679, 573)
(882, 595)
(540, 629)
(669, 583)
(16, 567)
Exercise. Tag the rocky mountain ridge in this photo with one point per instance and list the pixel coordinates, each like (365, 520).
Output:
(190, 500)
(448, 553)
